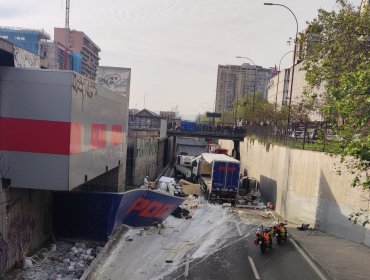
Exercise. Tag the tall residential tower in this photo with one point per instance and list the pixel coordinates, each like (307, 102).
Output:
(78, 41)
(235, 81)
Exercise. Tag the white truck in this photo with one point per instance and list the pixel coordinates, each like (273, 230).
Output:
(218, 176)
(183, 166)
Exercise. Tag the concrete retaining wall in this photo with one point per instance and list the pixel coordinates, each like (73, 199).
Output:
(305, 187)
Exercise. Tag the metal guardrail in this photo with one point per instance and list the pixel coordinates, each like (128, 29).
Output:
(314, 135)
(308, 135)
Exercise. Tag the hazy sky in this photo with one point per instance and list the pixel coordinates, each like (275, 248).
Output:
(174, 46)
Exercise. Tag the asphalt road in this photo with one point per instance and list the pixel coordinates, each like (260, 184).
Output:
(240, 259)
(222, 239)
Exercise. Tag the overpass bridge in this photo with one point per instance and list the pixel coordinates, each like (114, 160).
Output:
(227, 135)
(210, 130)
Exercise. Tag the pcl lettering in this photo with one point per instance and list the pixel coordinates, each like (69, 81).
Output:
(150, 209)
(227, 168)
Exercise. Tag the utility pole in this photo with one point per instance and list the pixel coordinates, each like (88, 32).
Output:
(67, 38)
(67, 14)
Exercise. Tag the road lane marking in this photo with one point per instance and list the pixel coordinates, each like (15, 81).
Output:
(199, 261)
(238, 228)
(256, 275)
(304, 255)
(187, 265)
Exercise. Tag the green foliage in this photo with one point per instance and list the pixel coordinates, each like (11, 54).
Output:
(338, 56)
(338, 44)
(259, 110)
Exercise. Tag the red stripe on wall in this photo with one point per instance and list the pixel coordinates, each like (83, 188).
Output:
(35, 136)
(53, 137)
(116, 135)
(98, 136)
(76, 138)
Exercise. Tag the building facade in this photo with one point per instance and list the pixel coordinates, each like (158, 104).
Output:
(78, 41)
(235, 81)
(27, 39)
(279, 90)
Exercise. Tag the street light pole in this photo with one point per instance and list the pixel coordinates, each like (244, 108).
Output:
(278, 79)
(294, 54)
(255, 78)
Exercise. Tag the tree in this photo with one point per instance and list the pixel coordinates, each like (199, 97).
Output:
(338, 56)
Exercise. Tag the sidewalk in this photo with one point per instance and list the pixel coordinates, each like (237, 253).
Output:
(340, 258)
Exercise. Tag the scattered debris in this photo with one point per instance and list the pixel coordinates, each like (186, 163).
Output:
(63, 261)
(190, 188)
(27, 263)
(261, 205)
(181, 213)
(304, 227)
(190, 203)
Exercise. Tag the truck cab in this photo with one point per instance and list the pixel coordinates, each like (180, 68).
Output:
(183, 166)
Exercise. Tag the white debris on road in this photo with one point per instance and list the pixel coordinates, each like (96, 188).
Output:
(146, 254)
(152, 255)
(62, 261)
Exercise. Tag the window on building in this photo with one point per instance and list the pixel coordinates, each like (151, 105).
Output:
(20, 38)
(4, 36)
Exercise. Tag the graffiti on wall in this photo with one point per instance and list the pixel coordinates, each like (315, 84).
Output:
(25, 59)
(146, 147)
(114, 78)
(84, 86)
(146, 158)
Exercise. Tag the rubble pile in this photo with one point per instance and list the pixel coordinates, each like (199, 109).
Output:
(62, 261)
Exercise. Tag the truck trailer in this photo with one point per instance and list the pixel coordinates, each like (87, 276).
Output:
(218, 175)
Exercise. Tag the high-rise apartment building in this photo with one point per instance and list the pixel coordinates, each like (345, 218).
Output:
(78, 41)
(235, 81)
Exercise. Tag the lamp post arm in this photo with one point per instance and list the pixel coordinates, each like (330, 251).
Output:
(283, 57)
(296, 21)
(278, 78)
(246, 58)
(294, 56)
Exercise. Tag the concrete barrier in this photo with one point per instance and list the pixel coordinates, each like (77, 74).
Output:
(305, 187)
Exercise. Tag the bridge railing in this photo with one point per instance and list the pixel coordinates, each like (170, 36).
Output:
(309, 135)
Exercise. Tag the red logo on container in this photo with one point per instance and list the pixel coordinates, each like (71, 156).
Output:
(227, 168)
(151, 209)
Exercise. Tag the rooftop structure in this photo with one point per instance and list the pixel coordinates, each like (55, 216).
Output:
(28, 39)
